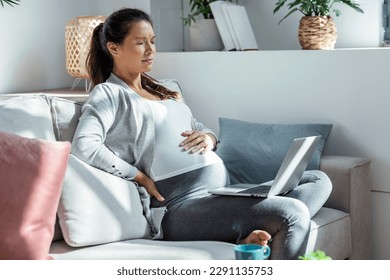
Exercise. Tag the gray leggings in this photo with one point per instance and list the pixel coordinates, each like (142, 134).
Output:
(193, 214)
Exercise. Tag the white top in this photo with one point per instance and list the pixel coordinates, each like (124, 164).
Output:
(171, 118)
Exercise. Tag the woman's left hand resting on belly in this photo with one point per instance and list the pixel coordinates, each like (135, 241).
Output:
(197, 141)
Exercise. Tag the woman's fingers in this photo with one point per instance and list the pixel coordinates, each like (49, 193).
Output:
(195, 141)
(155, 193)
(143, 180)
(257, 237)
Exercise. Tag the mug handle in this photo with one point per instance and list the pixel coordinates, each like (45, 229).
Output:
(267, 251)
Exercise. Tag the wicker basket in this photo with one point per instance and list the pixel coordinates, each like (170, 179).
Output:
(78, 34)
(317, 33)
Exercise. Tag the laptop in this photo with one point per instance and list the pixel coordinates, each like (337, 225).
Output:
(288, 176)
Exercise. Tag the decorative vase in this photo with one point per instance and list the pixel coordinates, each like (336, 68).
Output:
(317, 33)
(204, 36)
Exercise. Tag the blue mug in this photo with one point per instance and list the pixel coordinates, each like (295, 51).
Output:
(251, 252)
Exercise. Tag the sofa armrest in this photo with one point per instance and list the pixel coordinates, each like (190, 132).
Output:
(349, 176)
(352, 194)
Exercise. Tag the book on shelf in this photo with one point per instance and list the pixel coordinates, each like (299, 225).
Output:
(234, 27)
(222, 24)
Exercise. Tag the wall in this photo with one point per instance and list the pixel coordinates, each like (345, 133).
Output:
(32, 51)
(106, 7)
(342, 87)
(32, 48)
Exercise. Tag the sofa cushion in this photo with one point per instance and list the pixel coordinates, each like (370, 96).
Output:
(31, 176)
(146, 249)
(30, 116)
(65, 116)
(253, 152)
(97, 207)
(325, 226)
(27, 116)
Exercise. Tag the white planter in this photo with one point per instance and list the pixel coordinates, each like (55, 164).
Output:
(204, 36)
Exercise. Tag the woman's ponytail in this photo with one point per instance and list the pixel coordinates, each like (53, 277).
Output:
(99, 61)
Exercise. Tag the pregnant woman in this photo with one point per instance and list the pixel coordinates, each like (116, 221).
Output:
(136, 129)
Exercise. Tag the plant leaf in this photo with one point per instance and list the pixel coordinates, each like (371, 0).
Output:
(314, 7)
(9, 2)
(337, 12)
(288, 14)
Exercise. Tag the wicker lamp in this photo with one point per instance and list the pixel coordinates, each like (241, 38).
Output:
(78, 34)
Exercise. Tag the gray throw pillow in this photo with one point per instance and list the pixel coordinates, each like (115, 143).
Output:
(65, 116)
(253, 152)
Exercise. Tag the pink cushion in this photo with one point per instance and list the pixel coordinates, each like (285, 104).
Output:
(31, 176)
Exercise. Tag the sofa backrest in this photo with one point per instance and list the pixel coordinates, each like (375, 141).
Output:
(28, 116)
(40, 116)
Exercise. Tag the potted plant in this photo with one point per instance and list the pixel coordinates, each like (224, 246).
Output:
(9, 2)
(204, 34)
(317, 30)
(317, 255)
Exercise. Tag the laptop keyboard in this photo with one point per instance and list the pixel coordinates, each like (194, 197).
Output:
(259, 189)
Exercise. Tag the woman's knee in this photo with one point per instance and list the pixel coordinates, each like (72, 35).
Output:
(289, 212)
(321, 179)
(299, 214)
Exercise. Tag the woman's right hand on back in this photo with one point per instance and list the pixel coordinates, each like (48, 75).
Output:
(143, 180)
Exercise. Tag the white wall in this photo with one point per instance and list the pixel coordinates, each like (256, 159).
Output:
(32, 48)
(106, 7)
(344, 87)
(32, 51)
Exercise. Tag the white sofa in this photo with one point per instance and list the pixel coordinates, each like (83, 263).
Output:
(341, 228)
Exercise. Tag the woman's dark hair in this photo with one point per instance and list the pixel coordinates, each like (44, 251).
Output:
(115, 29)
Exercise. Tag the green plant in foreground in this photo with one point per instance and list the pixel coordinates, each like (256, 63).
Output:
(317, 255)
(9, 2)
(315, 7)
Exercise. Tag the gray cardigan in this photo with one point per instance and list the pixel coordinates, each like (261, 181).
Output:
(116, 130)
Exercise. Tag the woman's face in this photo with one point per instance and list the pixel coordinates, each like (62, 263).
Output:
(136, 54)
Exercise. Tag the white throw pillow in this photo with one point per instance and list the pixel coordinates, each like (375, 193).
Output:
(97, 207)
(28, 116)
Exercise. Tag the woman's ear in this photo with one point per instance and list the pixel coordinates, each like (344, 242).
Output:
(112, 48)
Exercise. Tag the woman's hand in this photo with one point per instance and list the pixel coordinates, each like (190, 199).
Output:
(143, 180)
(197, 141)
